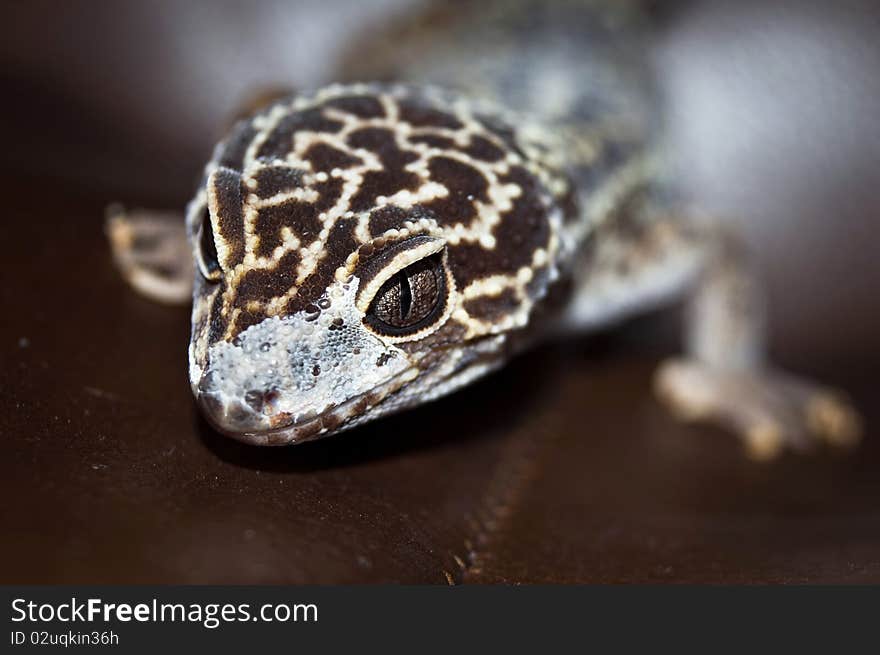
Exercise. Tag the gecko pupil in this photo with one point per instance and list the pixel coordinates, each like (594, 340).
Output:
(410, 300)
(405, 296)
(207, 248)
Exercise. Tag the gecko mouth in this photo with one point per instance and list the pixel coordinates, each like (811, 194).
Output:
(254, 421)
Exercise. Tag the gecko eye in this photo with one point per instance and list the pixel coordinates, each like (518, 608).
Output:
(209, 264)
(411, 300)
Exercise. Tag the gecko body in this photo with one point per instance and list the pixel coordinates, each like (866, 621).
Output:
(369, 247)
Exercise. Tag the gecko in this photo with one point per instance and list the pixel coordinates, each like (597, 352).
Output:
(367, 247)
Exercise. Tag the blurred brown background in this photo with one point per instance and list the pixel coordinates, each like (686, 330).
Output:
(561, 467)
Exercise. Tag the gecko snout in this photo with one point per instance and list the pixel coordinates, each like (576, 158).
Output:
(252, 411)
(230, 418)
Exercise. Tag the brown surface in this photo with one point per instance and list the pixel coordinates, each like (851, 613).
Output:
(559, 468)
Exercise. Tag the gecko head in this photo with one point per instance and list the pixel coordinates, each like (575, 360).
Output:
(361, 250)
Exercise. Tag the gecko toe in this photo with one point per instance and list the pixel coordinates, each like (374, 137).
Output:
(771, 412)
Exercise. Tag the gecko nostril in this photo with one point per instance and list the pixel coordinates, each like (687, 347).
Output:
(206, 384)
(262, 401)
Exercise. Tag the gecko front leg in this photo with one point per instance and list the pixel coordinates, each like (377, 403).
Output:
(649, 255)
(725, 378)
(151, 250)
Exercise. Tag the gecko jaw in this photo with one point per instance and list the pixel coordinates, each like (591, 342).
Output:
(244, 424)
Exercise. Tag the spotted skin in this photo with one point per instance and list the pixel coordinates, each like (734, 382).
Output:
(304, 198)
(366, 248)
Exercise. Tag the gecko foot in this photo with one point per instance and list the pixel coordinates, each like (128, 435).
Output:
(151, 251)
(770, 411)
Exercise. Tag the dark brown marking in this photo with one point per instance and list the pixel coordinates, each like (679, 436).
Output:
(328, 193)
(381, 141)
(341, 242)
(483, 149)
(434, 141)
(382, 183)
(246, 319)
(521, 231)
(273, 180)
(465, 184)
(228, 190)
(492, 308)
(420, 115)
(301, 217)
(362, 106)
(263, 284)
(460, 178)
(386, 218)
(392, 178)
(236, 144)
(218, 321)
(279, 142)
(325, 157)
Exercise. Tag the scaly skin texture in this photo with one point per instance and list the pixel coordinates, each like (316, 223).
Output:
(312, 204)
(366, 248)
